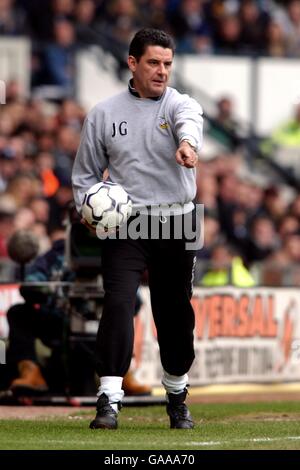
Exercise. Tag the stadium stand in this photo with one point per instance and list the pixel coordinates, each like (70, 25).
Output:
(248, 196)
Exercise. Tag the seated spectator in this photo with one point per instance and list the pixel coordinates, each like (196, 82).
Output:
(224, 127)
(41, 316)
(44, 166)
(211, 236)
(85, 11)
(67, 143)
(8, 167)
(225, 114)
(40, 208)
(39, 229)
(226, 268)
(191, 28)
(154, 14)
(59, 203)
(253, 27)
(13, 21)
(288, 225)
(227, 202)
(295, 206)
(279, 268)
(289, 253)
(59, 58)
(38, 317)
(119, 20)
(289, 20)
(263, 239)
(24, 219)
(207, 190)
(276, 41)
(23, 187)
(275, 204)
(227, 35)
(288, 134)
(63, 8)
(7, 214)
(283, 145)
(71, 114)
(14, 92)
(85, 14)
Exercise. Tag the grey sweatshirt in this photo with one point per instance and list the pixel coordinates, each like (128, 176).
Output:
(136, 139)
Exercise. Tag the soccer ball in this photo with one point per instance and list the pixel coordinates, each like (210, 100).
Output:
(106, 206)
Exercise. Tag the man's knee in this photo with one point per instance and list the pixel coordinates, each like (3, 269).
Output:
(120, 303)
(15, 312)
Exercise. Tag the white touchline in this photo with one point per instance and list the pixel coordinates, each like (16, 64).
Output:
(255, 439)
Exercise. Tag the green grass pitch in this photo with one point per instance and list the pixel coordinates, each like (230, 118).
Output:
(273, 425)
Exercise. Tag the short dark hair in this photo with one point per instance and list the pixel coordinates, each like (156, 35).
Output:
(150, 37)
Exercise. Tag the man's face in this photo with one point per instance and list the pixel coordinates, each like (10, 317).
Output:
(151, 73)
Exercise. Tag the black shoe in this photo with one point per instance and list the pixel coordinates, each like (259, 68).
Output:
(106, 417)
(180, 417)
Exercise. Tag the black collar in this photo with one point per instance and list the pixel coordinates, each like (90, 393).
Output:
(133, 91)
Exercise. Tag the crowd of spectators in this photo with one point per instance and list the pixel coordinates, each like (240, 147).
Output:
(260, 223)
(39, 139)
(58, 28)
(38, 142)
(238, 26)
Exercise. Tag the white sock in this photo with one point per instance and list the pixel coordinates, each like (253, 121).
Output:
(174, 383)
(112, 387)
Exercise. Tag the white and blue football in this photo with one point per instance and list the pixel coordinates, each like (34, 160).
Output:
(106, 205)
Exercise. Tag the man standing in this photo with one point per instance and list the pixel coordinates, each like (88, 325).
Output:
(148, 137)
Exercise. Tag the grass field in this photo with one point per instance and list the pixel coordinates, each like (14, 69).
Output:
(273, 425)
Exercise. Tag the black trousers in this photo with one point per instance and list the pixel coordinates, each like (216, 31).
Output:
(170, 272)
(26, 323)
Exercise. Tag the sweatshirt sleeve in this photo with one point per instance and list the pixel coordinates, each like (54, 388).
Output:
(188, 121)
(90, 162)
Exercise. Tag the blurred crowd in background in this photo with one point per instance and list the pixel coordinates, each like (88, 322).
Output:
(255, 27)
(38, 139)
(58, 28)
